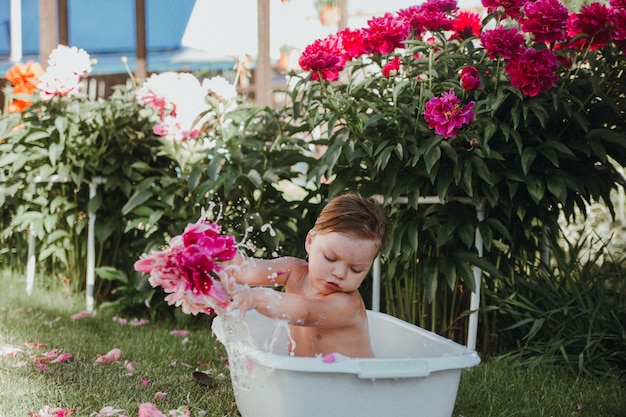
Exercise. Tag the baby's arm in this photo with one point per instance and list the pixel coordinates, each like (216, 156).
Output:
(262, 272)
(334, 310)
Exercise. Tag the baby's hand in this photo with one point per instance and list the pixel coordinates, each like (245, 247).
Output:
(243, 298)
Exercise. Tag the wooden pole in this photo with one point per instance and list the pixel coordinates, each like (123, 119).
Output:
(343, 19)
(64, 32)
(141, 69)
(48, 33)
(263, 74)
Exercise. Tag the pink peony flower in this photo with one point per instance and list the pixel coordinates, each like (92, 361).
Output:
(352, 41)
(392, 67)
(385, 33)
(508, 8)
(533, 71)
(618, 23)
(545, 19)
(57, 81)
(470, 80)
(465, 25)
(184, 270)
(324, 58)
(445, 114)
(502, 42)
(594, 21)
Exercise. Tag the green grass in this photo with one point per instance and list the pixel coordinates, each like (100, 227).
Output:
(494, 388)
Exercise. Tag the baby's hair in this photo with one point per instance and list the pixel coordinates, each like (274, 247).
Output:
(353, 215)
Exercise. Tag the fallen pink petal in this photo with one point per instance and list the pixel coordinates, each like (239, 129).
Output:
(112, 356)
(47, 357)
(108, 412)
(144, 382)
(160, 395)
(43, 367)
(34, 345)
(48, 411)
(330, 358)
(63, 357)
(130, 369)
(149, 410)
(83, 314)
(181, 333)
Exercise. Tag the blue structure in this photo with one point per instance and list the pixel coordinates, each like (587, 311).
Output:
(103, 26)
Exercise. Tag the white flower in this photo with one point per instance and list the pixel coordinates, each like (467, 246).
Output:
(220, 87)
(70, 59)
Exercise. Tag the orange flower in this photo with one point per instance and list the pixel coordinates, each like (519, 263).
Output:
(24, 78)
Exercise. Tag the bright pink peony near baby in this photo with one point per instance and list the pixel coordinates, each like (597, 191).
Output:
(188, 268)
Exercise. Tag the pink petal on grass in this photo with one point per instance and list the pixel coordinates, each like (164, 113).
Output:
(160, 395)
(63, 357)
(83, 314)
(47, 411)
(34, 345)
(149, 410)
(181, 333)
(112, 356)
(144, 382)
(47, 357)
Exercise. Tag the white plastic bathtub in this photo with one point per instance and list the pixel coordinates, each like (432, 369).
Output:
(415, 372)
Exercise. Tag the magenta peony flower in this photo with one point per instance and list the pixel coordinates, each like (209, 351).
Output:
(465, 25)
(502, 42)
(445, 114)
(392, 67)
(470, 80)
(618, 23)
(533, 71)
(545, 19)
(422, 17)
(508, 8)
(385, 33)
(324, 58)
(594, 21)
(185, 269)
(352, 41)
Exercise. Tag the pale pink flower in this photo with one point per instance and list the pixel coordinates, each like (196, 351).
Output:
(149, 410)
(112, 356)
(56, 81)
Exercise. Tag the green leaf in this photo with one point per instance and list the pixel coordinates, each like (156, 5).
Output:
(136, 200)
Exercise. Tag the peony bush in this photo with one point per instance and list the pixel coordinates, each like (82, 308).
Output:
(508, 119)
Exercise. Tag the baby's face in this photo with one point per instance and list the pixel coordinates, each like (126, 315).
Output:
(339, 262)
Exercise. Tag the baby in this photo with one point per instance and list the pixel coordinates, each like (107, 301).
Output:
(321, 302)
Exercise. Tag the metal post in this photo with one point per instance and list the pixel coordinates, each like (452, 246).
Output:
(15, 22)
(91, 246)
(475, 298)
(376, 284)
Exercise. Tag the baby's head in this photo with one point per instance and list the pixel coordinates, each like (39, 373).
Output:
(353, 215)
